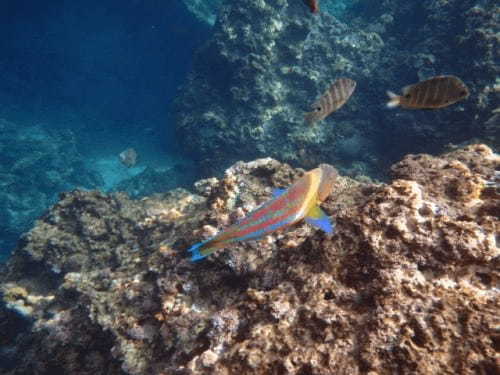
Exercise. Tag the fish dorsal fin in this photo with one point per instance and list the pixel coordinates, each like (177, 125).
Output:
(407, 89)
(317, 218)
(278, 192)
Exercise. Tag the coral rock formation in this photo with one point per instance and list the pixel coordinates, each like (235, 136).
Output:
(267, 61)
(32, 172)
(408, 284)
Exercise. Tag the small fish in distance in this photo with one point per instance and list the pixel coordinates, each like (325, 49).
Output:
(333, 98)
(433, 93)
(313, 5)
(128, 157)
(287, 207)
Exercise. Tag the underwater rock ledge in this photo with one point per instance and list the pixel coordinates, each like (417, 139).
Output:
(408, 284)
(266, 62)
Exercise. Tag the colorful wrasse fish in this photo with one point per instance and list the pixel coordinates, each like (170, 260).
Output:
(287, 207)
(335, 97)
(313, 5)
(433, 93)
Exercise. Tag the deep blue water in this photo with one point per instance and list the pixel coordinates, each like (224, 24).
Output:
(100, 75)
(113, 65)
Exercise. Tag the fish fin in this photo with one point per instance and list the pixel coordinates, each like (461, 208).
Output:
(317, 218)
(406, 89)
(393, 100)
(199, 252)
(278, 192)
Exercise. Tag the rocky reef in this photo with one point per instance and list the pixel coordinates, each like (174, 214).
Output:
(39, 162)
(36, 164)
(267, 61)
(408, 284)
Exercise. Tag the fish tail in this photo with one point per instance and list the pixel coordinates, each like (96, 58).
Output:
(201, 250)
(393, 100)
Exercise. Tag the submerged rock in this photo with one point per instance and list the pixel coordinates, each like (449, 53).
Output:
(37, 163)
(152, 180)
(408, 284)
(267, 61)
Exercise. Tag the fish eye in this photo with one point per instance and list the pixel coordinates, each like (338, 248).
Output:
(317, 109)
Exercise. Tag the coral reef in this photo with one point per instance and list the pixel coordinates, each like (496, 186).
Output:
(408, 284)
(39, 163)
(438, 37)
(268, 60)
(262, 76)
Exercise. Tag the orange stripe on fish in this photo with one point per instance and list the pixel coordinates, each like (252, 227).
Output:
(299, 201)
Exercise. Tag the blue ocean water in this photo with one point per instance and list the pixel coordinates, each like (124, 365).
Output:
(80, 82)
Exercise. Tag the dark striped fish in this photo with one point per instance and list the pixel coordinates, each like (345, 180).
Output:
(287, 207)
(334, 98)
(433, 93)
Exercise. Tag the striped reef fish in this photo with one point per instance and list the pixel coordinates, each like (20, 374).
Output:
(335, 97)
(286, 207)
(433, 93)
(313, 5)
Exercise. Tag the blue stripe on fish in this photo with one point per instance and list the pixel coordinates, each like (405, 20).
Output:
(278, 192)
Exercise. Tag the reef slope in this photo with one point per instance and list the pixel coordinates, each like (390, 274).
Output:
(408, 284)
(267, 61)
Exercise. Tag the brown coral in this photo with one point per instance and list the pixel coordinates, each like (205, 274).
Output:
(408, 284)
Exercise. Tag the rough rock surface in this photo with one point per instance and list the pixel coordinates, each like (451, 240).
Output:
(264, 66)
(408, 284)
(32, 171)
(269, 60)
(424, 39)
